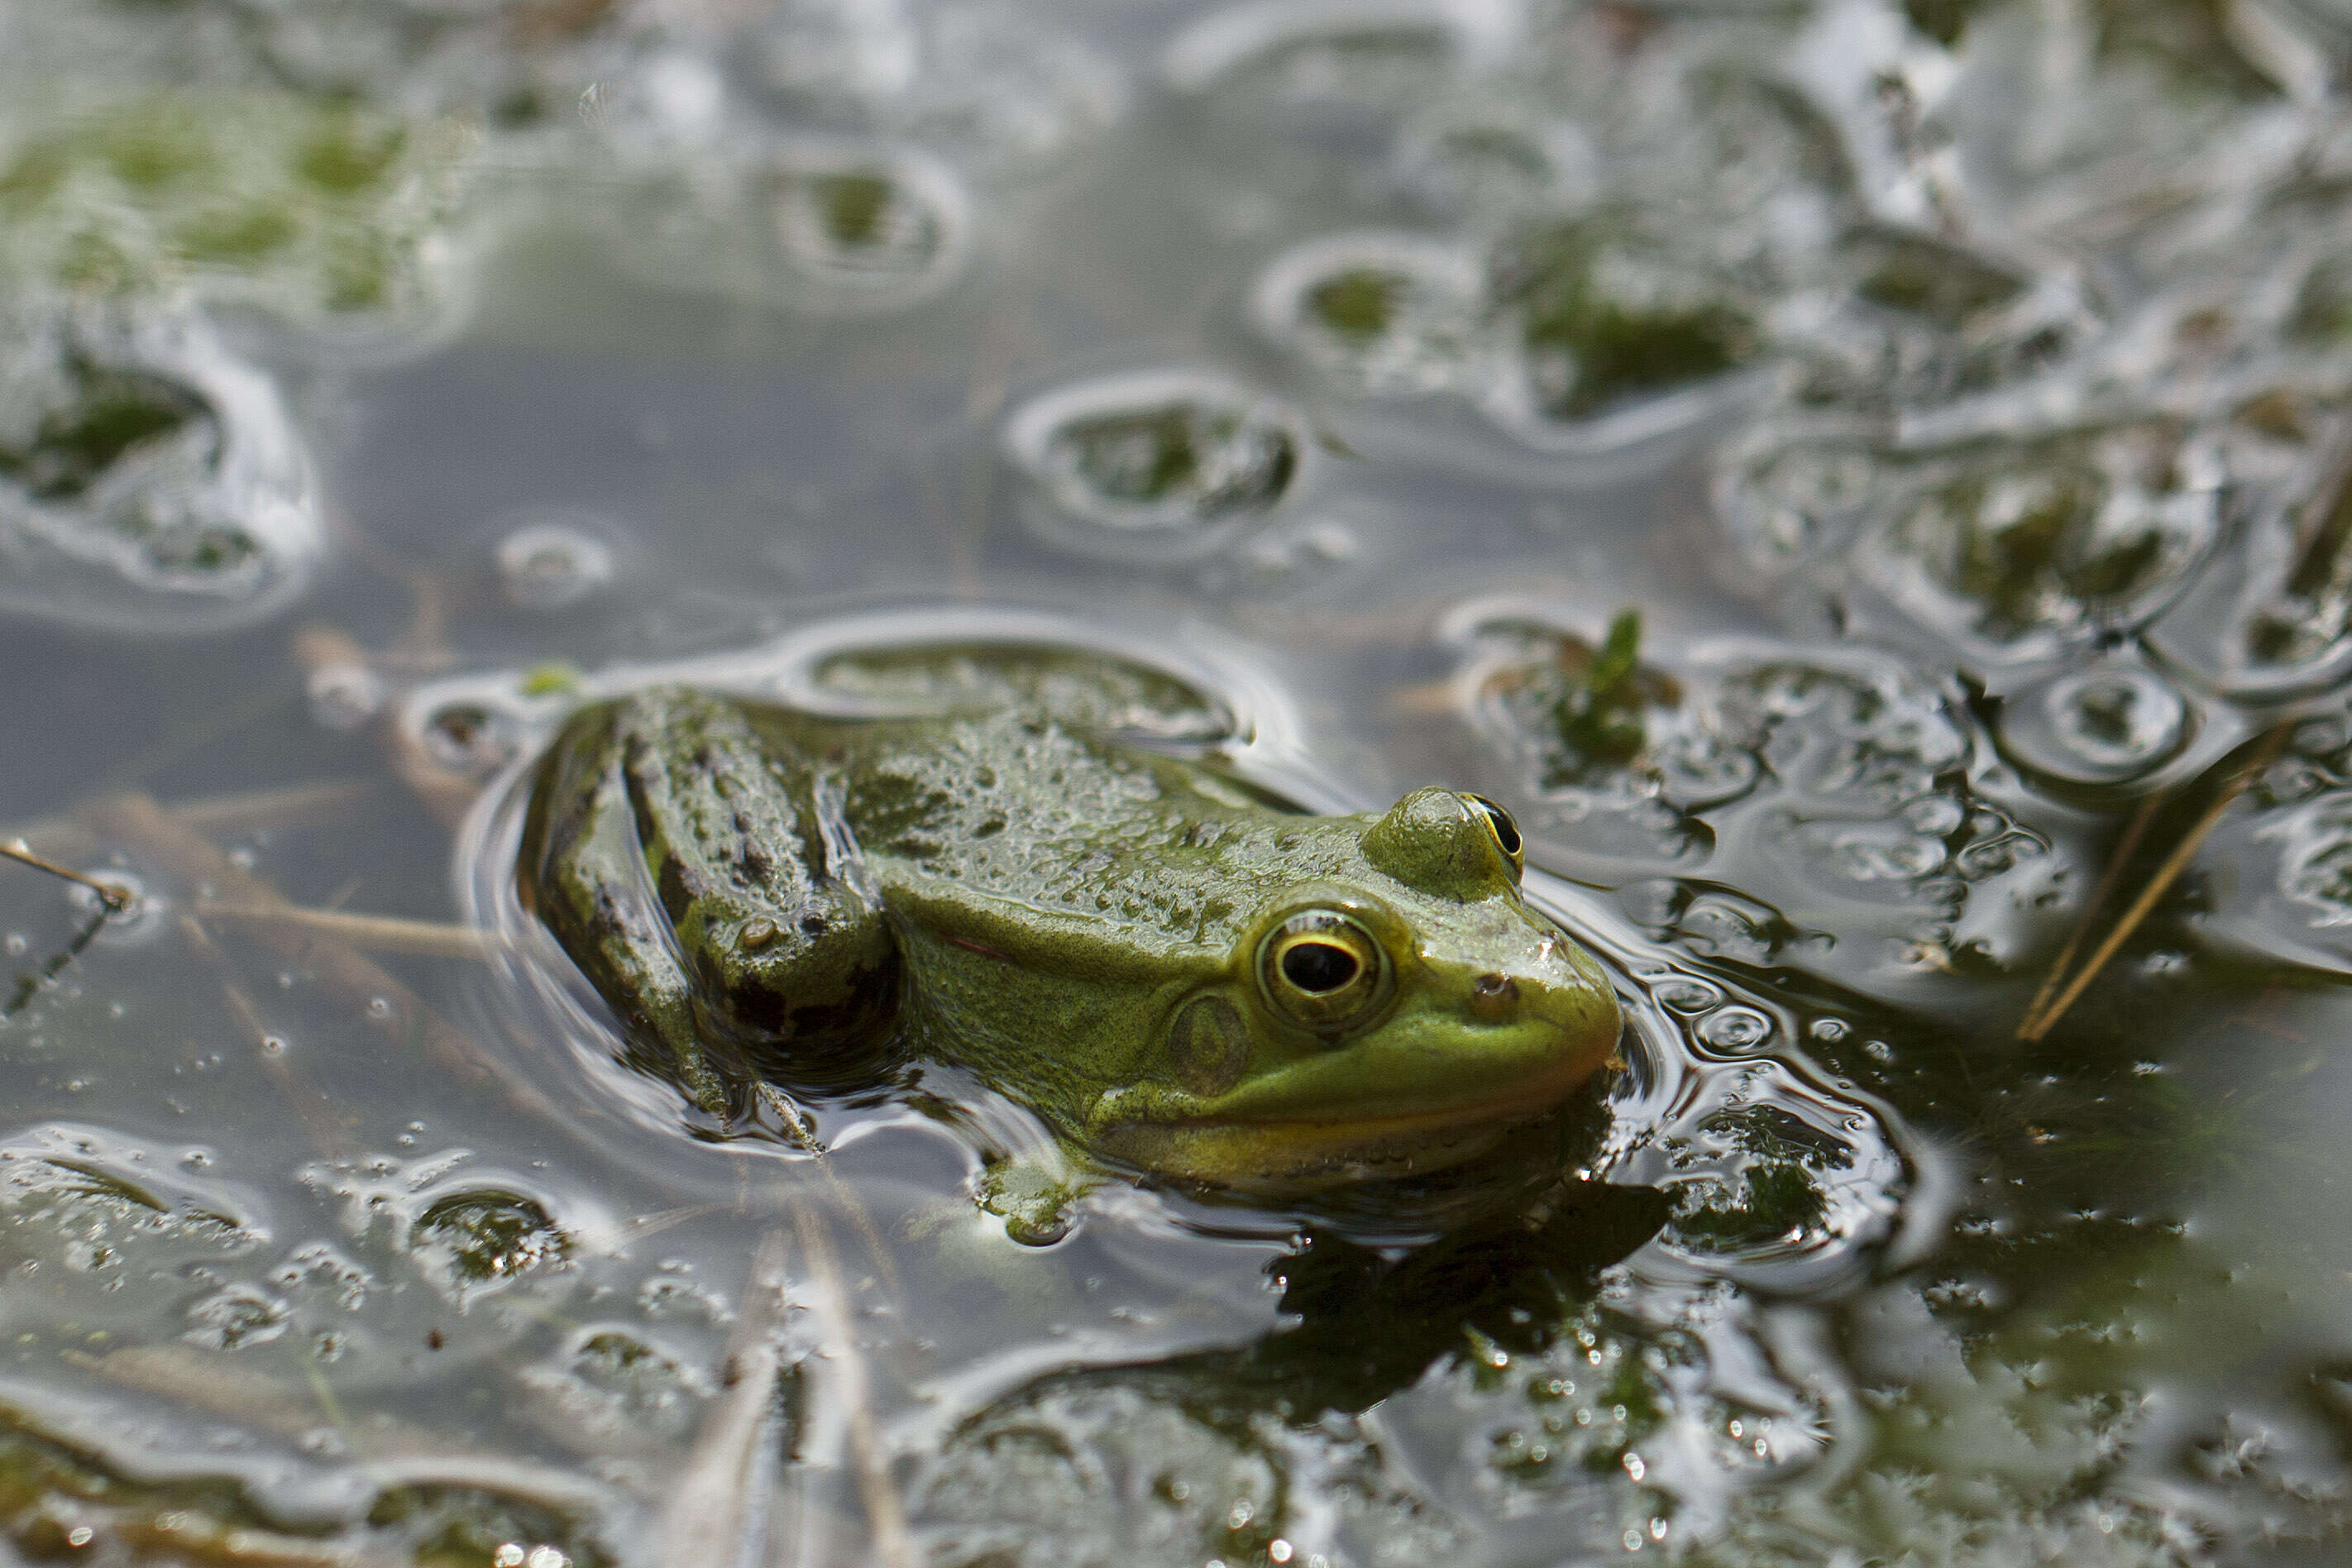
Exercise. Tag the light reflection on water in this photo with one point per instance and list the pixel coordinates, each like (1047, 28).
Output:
(1955, 388)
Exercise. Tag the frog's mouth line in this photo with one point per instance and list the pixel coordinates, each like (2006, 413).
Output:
(1308, 1149)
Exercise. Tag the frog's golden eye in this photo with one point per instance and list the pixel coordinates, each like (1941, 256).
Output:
(1324, 969)
(1504, 826)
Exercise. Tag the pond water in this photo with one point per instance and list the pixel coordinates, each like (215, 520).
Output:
(1864, 482)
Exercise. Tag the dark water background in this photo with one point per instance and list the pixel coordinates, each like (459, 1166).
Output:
(1956, 391)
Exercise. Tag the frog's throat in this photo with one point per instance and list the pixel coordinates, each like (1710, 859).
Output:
(1307, 1152)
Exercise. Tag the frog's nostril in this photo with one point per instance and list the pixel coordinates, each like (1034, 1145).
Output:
(1495, 996)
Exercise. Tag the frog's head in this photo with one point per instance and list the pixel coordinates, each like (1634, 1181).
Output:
(1391, 1011)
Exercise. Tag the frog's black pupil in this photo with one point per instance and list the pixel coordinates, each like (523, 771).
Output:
(1506, 832)
(1319, 968)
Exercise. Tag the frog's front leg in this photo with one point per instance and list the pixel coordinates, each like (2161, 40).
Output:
(685, 865)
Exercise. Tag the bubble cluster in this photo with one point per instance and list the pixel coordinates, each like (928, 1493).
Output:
(1725, 785)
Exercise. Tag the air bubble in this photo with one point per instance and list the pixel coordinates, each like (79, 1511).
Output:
(1604, 324)
(473, 1241)
(1686, 996)
(470, 737)
(2021, 547)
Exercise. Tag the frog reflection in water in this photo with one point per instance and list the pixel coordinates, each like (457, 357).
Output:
(1174, 974)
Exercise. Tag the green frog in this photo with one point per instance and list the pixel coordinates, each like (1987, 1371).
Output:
(1176, 972)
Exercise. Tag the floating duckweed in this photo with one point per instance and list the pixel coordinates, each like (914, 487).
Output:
(1168, 464)
(481, 1239)
(2072, 536)
(147, 480)
(1389, 313)
(891, 228)
(548, 681)
(308, 211)
(1599, 326)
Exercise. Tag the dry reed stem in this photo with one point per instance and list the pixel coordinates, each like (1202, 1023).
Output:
(720, 1499)
(890, 1545)
(308, 1104)
(2158, 885)
(392, 1452)
(382, 933)
(296, 806)
(2118, 859)
(403, 1015)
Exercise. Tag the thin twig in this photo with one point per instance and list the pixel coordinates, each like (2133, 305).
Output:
(385, 933)
(29, 985)
(2118, 859)
(115, 898)
(797, 1123)
(2165, 874)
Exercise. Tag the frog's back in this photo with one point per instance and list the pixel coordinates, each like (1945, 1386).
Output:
(1015, 805)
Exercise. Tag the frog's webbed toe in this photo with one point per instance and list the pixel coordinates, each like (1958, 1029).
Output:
(1036, 1198)
(693, 872)
(582, 872)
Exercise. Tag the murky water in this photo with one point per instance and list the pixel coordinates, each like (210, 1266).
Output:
(1954, 393)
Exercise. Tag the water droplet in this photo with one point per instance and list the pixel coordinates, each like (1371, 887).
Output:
(550, 563)
(345, 696)
(1737, 1029)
